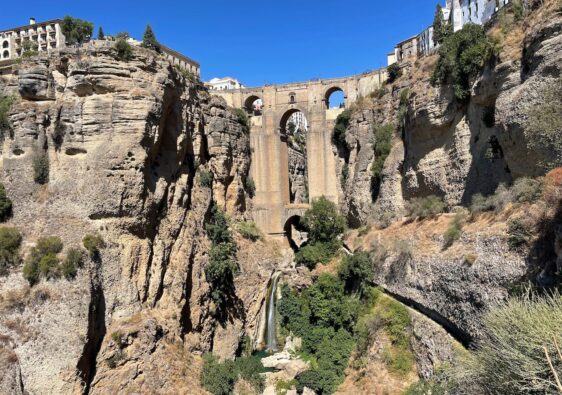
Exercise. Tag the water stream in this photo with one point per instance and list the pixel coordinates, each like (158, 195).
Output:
(271, 325)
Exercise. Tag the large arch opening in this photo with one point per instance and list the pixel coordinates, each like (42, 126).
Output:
(295, 232)
(335, 98)
(294, 130)
(253, 105)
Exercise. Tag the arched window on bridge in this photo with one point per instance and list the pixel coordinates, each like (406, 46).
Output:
(253, 105)
(335, 98)
(292, 98)
(294, 129)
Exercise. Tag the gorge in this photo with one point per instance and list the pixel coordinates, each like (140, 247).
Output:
(164, 238)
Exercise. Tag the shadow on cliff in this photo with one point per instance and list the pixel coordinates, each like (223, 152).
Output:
(86, 366)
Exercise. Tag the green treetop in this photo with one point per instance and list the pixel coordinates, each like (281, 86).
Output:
(149, 39)
(441, 28)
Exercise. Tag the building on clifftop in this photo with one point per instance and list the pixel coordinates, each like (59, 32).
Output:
(41, 37)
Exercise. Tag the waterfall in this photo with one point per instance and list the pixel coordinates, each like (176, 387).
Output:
(271, 325)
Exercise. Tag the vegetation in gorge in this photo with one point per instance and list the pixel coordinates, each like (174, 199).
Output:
(5, 105)
(222, 265)
(10, 242)
(425, 207)
(462, 56)
(338, 135)
(394, 72)
(93, 243)
(219, 378)
(5, 204)
(454, 230)
(40, 161)
(324, 225)
(382, 146)
(249, 230)
(518, 354)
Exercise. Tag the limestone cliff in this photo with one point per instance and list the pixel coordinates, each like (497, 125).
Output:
(127, 144)
(455, 150)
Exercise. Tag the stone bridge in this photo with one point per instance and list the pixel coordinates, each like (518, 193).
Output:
(272, 209)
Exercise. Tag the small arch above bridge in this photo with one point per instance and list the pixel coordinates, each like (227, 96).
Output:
(253, 105)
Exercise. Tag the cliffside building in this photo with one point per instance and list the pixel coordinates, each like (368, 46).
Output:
(458, 13)
(42, 37)
(225, 83)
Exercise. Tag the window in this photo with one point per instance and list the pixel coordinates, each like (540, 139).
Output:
(6, 55)
(292, 98)
(6, 44)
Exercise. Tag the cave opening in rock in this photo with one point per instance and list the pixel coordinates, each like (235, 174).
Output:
(294, 129)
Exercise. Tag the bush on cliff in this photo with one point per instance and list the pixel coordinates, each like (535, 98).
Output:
(338, 135)
(222, 265)
(394, 72)
(5, 105)
(124, 50)
(249, 230)
(40, 161)
(93, 243)
(312, 254)
(42, 259)
(382, 146)
(425, 207)
(519, 352)
(462, 57)
(5, 204)
(10, 241)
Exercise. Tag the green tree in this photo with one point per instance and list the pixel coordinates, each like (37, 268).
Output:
(10, 241)
(394, 72)
(323, 221)
(93, 243)
(328, 304)
(101, 35)
(441, 28)
(462, 57)
(149, 40)
(338, 135)
(76, 31)
(220, 271)
(356, 271)
(217, 227)
(124, 49)
(40, 161)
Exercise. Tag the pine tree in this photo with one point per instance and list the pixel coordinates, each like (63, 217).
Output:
(101, 36)
(441, 28)
(149, 39)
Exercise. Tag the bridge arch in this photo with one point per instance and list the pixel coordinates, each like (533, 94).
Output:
(253, 105)
(295, 232)
(284, 119)
(334, 94)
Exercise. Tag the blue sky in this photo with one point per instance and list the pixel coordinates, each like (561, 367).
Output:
(256, 41)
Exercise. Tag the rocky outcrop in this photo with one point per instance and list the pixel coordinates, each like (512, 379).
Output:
(451, 149)
(127, 143)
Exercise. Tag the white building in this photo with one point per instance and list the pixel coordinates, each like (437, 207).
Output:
(458, 13)
(299, 120)
(42, 37)
(472, 11)
(220, 84)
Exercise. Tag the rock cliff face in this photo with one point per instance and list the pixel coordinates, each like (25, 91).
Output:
(126, 144)
(455, 150)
